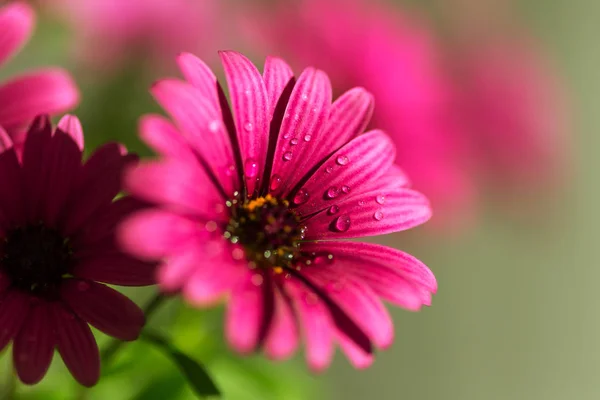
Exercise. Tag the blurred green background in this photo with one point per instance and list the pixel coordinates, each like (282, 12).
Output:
(516, 313)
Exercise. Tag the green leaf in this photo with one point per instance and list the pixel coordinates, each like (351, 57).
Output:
(195, 374)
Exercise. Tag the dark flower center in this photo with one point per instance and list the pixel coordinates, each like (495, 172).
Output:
(36, 259)
(267, 229)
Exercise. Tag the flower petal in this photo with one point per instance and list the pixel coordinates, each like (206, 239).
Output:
(48, 91)
(16, 20)
(301, 129)
(201, 77)
(6, 142)
(11, 181)
(71, 125)
(162, 136)
(357, 355)
(250, 106)
(33, 347)
(282, 338)
(104, 308)
(77, 347)
(14, 308)
(361, 161)
(116, 269)
(362, 215)
(277, 76)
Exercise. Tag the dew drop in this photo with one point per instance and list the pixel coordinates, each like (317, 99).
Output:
(333, 210)
(248, 126)
(346, 189)
(83, 286)
(329, 170)
(307, 138)
(287, 135)
(294, 141)
(342, 223)
(214, 126)
(380, 199)
(378, 215)
(230, 170)
(332, 192)
(342, 160)
(361, 203)
(275, 182)
(251, 168)
(287, 156)
(301, 197)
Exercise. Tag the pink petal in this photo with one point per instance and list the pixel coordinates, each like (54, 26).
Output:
(282, 338)
(316, 322)
(358, 301)
(71, 125)
(104, 308)
(362, 215)
(203, 127)
(361, 161)
(33, 347)
(277, 76)
(245, 313)
(358, 357)
(16, 20)
(153, 234)
(98, 183)
(116, 269)
(11, 181)
(182, 186)
(162, 136)
(201, 77)
(6, 142)
(250, 108)
(14, 308)
(77, 347)
(305, 118)
(49, 91)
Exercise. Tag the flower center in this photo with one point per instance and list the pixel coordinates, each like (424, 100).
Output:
(267, 229)
(36, 259)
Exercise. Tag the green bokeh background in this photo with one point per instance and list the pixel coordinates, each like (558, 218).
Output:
(516, 313)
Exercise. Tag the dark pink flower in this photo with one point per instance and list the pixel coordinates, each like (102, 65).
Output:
(251, 205)
(47, 91)
(57, 219)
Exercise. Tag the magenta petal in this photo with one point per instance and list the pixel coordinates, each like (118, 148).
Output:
(250, 109)
(33, 347)
(17, 21)
(201, 77)
(283, 336)
(180, 186)
(5, 141)
(14, 307)
(359, 162)
(71, 125)
(202, 125)
(11, 181)
(4, 283)
(302, 128)
(277, 75)
(104, 308)
(316, 322)
(358, 357)
(77, 346)
(245, 313)
(116, 269)
(48, 91)
(162, 136)
(362, 215)
(169, 232)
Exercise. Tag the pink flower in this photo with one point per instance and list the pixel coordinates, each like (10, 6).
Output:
(111, 32)
(57, 219)
(251, 205)
(394, 55)
(47, 91)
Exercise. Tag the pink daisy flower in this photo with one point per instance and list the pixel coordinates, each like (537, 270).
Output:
(57, 219)
(251, 203)
(47, 91)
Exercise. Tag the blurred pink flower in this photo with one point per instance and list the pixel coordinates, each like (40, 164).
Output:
(111, 32)
(47, 91)
(252, 204)
(57, 242)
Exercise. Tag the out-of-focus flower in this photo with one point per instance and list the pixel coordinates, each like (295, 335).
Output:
(394, 55)
(111, 32)
(47, 91)
(57, 219)
(251, 204)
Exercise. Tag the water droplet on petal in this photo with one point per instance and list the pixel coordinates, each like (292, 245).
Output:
(294, 141)
(304, 96)
(230, 170)
(287, 156)
(333, 210)
(307, 138)
(332, 192)
(342, 160)
(346, 189)
(248, 126)
(214, 126)
(275, 182)
(83, 286)
(361, 203)
(380, 199)
(342, 223)
(378, 215)
(301, 197)
(328, 169)
(287, 134)
(251, 168)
